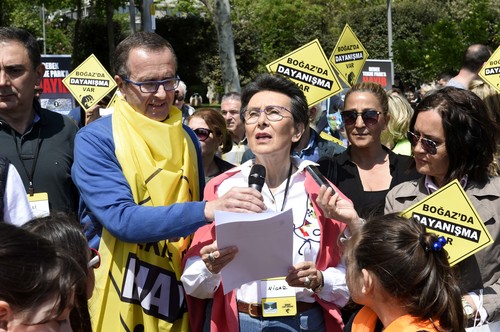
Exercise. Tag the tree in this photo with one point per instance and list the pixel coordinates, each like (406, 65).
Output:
(226, 46)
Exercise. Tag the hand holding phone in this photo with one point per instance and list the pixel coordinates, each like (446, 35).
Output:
(318, 177)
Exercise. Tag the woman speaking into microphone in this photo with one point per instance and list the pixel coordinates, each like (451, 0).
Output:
(274, 111)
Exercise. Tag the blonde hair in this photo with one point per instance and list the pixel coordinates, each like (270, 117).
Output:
(400, 113)
(490, 97)
(425, 88)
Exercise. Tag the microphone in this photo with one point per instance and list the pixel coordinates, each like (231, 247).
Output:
(257, 177)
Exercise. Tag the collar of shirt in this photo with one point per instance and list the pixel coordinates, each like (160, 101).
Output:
(432, 187)
(310, 152)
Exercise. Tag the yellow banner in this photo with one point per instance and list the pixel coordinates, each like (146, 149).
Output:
(490, 72)
(448, 212)
(309, 68)
(89, 82)
(349, 56)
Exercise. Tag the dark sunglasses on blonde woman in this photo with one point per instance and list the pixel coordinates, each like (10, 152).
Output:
(370, 118)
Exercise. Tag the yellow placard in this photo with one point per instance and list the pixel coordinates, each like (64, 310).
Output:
(89, 82)
(490, 72)
(448, 212)
(309, 68)
(348, 56)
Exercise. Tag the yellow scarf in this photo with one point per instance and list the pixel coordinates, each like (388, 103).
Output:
(137, 285)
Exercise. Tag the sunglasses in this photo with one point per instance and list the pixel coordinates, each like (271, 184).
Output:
(428, 145)
(95, 260)
(370, 118)
(202, 133)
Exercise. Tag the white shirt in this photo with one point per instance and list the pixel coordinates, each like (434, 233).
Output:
(16, 208)
(199, 282)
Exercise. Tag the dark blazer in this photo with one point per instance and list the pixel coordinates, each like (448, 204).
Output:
(343, 173)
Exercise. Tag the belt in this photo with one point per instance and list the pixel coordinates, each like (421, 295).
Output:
(255, 309)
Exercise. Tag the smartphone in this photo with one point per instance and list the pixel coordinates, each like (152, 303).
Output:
(318, 177)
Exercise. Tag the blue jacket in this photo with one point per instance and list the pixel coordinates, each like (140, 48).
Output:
(106, 199)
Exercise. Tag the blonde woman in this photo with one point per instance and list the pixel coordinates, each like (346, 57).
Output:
(394, 136)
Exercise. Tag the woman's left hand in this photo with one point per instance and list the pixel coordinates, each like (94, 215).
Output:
(305, 274)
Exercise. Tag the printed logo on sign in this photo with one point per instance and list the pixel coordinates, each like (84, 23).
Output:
(448, 212)
(309, 68)
(155, 289)
(490, 72)
(349, 56)
(90, 82)
(305, 77)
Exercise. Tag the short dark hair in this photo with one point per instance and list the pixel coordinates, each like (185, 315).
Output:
(399, 252)
(470, 133)
(281, 84)
(475, 56)
(141, 39)
(24, 38)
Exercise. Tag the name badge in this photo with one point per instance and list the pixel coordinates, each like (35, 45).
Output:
(39, 203)
(278, 298)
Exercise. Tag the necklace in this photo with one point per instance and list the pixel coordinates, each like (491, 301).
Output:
(286, 188)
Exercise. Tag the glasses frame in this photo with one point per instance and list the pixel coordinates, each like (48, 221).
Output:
(369, 121)
(95, 261)
(203, 129)
(428, 145)
(176, 81)
(266, 111)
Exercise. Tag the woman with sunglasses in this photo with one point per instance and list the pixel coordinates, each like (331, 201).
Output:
(453, 137)
(210, 127)
(275, 114)
(367, 170)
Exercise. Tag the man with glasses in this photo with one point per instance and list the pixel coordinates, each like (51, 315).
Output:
(140, 177)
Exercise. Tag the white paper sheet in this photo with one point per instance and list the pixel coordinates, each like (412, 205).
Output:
(264, 241)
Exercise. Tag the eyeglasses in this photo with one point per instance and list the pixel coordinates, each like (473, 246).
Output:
(95, 260)
(169, 84)
(370, 118)
(202, 133)
(273, 113)
(428, 145)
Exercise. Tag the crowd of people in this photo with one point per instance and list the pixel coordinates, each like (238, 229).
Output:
(110, 225)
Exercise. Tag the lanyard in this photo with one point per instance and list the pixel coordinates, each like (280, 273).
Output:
(31, 189)
(286, 188)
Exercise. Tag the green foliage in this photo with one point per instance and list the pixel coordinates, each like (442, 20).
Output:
(27, 17)
(438, 33)
(89, 42)
(59, 41)
(195, 42)
(429, 36)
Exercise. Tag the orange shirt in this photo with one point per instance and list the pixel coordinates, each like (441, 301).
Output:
(366, 320)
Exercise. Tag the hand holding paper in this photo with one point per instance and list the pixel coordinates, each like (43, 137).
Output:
(264, 242)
